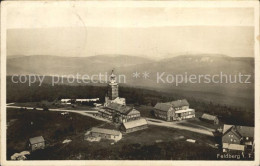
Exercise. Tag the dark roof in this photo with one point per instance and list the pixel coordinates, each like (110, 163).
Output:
(244, 131)
(105, 131)
(174, 104)
(119, 108)
(36, 140)
(208, 117)
(162, 106)
(179, 103)
(104, 111)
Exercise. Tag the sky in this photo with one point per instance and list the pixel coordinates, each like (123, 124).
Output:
(154, 32)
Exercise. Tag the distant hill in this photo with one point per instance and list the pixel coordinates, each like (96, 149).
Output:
(52, 65)
(127, 65)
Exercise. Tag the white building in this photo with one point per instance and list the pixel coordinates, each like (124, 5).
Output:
(65, 101)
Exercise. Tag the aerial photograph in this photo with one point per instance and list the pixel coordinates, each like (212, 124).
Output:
(130, 83)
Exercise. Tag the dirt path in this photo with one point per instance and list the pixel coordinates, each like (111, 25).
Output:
(81, 112)
(157, 122)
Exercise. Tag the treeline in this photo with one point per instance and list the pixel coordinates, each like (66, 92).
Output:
(136, 96)
(24, 93)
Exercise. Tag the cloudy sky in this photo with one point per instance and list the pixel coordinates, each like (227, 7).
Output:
(154, 32)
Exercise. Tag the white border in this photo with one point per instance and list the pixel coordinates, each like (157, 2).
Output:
(183, 4)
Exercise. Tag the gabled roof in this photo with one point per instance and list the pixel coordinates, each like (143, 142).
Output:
(208, 117)
(133, 112)
(244, 131)
(135, 123)
(162, 106)
(104, 111)
(226, 128)
(187, 110)
(36, 140)
(179, 103)
(118, 99)
(174, 104)
(119, 108)
(105, 131)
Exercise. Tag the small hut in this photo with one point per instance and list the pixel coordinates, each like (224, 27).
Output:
(36, 143)
(210, 119)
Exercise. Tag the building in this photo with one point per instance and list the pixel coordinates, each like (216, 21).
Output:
(113, 87)
(119, 113)
(133, 126)
(117, 100)
(36, 143)
(86, 100)
(113, 93)
(106, 133)
(237, 138)
(210, 119)
(65, 101)
(175, 110)
(89, 102)
(102, 112)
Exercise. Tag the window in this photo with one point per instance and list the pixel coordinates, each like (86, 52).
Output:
(231, 135)
(35, 145)
(247, 138)
(235, 140)
(231, 140)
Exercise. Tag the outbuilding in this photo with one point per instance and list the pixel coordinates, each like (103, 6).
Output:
(210, 119)
(106, 133)
(135, 125)
(36, 143)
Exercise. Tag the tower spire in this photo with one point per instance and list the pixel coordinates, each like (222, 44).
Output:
(112, 77)
(113, 87)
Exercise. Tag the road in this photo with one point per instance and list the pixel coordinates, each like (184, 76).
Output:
(157, 122)
(81, 112)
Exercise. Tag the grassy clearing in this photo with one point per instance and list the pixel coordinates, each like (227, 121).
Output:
(152, 143)
(53, 126)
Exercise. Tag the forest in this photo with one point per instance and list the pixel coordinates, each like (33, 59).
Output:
(18, 92)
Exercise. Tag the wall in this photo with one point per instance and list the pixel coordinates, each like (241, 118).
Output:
(36, 146)
(228, 136)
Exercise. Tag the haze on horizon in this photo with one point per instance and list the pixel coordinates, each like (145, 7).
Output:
(148, 32)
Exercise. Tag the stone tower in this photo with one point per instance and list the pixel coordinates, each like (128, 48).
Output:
(112, 87)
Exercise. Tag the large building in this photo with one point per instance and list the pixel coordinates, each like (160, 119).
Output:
(175, 110)
(119, 113)
(116, 110)
(237, 138)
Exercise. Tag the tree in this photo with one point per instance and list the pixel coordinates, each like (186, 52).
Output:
(45, 108)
